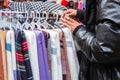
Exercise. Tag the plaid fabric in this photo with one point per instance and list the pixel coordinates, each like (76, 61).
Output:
(24, 71)
(36, 6)
(52, 7)
(33, 6)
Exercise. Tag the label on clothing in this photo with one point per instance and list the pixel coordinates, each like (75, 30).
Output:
(53, 51)
(69, 43)
(8, 47)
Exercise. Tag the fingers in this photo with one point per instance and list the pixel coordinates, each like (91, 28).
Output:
(66, 21)
(69, 11)
(69, 19)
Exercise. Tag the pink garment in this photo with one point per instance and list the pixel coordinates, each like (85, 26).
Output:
(80, 5)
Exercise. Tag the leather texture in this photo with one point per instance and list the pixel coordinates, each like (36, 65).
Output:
(100, 46)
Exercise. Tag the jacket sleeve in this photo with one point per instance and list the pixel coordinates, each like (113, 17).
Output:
(80, 15)
(101, 46)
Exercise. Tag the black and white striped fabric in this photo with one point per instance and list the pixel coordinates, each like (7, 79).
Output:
(17, 6)
(52, 7)
(36, 6)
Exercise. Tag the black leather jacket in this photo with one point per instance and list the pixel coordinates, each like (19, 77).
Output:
(100, 40)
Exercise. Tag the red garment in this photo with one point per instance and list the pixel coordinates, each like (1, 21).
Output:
(6, 3)
(64, 3)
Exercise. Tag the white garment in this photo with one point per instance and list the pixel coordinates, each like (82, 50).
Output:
(9, 56)
(60, 77)
(71, 52)
(32, 49)
(52, 51)
(13, 54)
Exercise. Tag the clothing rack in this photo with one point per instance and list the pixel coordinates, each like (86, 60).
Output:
(42, 54)
(31, 16)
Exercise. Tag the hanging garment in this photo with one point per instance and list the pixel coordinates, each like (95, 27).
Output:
(64, 3)
(58, 53)
(9, 56)
(59, 63)
(73, 62)
(80, 5)
(32, 49)
(47, 37)
(13, 54)
(3, 60)
(52, 7)
(64, 58)
(52, 51)
(42, 56)
(24, 71)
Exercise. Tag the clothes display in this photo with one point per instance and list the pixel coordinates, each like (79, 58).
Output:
(36, 50)
(37, 58)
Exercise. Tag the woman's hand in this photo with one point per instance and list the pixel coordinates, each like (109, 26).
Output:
(70, 12)
(70, 23)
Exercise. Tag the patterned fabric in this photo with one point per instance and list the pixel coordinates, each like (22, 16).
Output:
(52, 7)
(33, 6)
(18, 6)
(39, 6)
(24, 71)
(32, 49)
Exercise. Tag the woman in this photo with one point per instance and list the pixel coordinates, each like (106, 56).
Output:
(98, 34)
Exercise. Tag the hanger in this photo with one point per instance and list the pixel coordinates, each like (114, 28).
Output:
(41, 22)
(26, 24)
(32, 21)
(58, 23)
(37, 19)
(4, 22)
(47, 25)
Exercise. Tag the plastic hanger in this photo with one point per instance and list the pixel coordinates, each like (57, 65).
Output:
(37, 20)
(39, 23)
(32, 24)
(58, 23)
(26, 24)
(47, 25)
